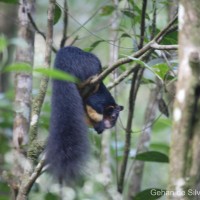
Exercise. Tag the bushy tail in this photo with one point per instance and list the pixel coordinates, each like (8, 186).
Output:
(67, 147)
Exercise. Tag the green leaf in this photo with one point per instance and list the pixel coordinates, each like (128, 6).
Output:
(95, 44)
(160, 147)
(128, 13)
(147, 81)
(3, 43)
(136, 8)
(57, 74)
(162, 124)
(57, 14)
(3, 197)
(143, 64)
(4, 147)
(152, 156)
(24, 67)
(125, 35)
(161, 70)
(4, 187)
(123, 68)
(170, 38)
(107, 10)
(163, 107)
(150, 194)
(169, 77)
(51, 196)
(10, 1)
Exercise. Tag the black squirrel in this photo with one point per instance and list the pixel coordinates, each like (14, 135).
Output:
(67, 147)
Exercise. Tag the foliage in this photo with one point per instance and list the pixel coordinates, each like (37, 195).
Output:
(10, 1)
(58, 13)
(150, 194)
(152, 156)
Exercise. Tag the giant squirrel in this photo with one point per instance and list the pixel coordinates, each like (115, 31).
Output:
(67, 146)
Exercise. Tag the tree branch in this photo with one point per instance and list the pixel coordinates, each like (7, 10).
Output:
(132, 97)
(144, 140)
(32, 178)
(142, 54)
(128, 72)
(39, 99)
(35, 26)
(158, 38)
(142, 29)
(122, 76)
(65, 24)
(163, 47)
(38, 31)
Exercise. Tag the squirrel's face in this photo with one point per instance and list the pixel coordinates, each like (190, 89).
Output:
(103, 121)
(110, 116)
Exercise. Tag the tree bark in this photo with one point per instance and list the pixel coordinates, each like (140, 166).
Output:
(173, 9)
(29, 176)
(23, 84)
(184, 155)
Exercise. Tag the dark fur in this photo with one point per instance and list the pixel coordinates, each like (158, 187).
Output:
(68, 146)
(100, 101)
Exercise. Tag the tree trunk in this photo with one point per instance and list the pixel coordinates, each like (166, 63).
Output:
(184, 155)
(23, 88)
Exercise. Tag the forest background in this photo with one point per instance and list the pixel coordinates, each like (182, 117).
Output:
(154, 146)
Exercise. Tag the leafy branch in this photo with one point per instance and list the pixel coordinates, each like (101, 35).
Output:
(157, 39)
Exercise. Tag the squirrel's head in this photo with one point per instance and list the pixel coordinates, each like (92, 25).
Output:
(103, 121)
(110, 115)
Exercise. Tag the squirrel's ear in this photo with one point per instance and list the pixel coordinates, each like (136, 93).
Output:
(120, 108)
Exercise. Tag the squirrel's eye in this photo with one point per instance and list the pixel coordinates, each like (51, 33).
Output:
(109, 110)
(113, 117)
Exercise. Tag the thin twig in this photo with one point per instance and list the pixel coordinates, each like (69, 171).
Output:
(126, 73)
(65, 24)
(31, 180)
(142, 29)
(73, 41)
(153, 32)
(121, 77)
(128, 131)
(39, 99)
(135, 83)
(39, 31)
(136, 179)
(35, 26)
